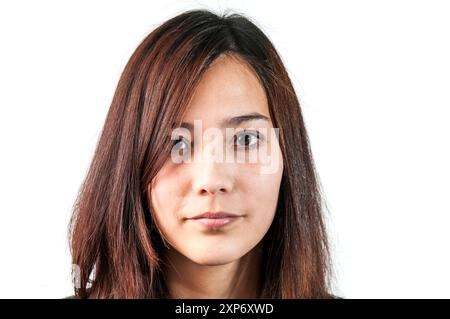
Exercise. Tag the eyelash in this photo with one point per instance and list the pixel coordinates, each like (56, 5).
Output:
(260, 138)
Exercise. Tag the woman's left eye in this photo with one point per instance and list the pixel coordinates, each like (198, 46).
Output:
(247, 139)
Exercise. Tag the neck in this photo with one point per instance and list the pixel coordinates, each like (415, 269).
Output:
(237, 279)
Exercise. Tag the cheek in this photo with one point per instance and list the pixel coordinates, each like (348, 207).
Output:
(261, 195)
(262, 182)
(166, 198)
(160, 191)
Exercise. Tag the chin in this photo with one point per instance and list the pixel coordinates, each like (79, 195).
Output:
(213, 260)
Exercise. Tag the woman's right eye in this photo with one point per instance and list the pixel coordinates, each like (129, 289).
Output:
(180, 144)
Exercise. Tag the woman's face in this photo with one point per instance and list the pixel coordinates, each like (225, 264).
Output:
(210, 183)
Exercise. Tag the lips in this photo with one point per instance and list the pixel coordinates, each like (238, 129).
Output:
(215, 219)
(214, 215)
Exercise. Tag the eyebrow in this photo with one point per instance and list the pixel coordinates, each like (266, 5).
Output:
(233, 121)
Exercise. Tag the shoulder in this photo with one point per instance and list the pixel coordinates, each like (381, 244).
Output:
(71, 297)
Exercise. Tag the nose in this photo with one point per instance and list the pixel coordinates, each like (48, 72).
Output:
(210, 177)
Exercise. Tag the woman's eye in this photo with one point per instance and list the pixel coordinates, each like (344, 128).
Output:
(180, 144)
(247, 139)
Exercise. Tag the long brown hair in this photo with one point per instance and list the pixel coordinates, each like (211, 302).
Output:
(113, 237)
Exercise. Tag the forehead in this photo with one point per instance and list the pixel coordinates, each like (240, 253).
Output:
(228, 87)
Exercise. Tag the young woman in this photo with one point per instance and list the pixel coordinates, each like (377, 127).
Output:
(161, 215)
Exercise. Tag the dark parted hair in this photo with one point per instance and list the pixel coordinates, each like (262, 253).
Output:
(114, 241)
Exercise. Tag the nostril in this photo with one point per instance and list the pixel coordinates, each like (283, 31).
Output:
(212, 191)
(206, 192)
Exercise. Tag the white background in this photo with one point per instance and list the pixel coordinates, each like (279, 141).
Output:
(374, 82)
